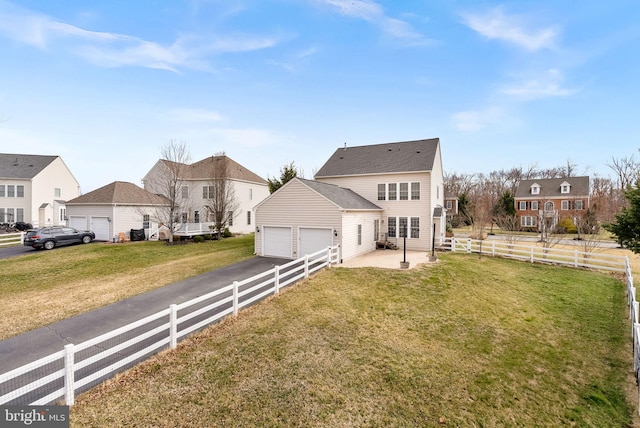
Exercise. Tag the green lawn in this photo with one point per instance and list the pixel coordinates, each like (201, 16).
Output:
(68, 281)
(467, 342)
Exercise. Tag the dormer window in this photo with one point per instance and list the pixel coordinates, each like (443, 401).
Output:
(565, 188)
(535, 189)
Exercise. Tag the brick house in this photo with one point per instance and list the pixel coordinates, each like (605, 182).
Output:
(545, 202)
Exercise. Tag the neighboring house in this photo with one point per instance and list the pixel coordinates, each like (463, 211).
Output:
(363, 196)
(545, 202)
(196, 185)
(34, 189)
(116, 208)
(451, 205)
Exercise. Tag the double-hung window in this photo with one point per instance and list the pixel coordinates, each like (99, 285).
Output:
(382, 192)
(207, 192)
(393, 191)
(534, 205)
(391, 227)
(415, 191)
(11, 191)
(522, 205)
(415, 227)
(402, 227)
(564, 205)
(404, 191)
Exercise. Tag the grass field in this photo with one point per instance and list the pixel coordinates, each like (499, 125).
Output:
(48, 286)
(467, 342)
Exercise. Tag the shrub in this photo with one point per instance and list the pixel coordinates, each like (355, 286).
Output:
(198, 238)
(566, 225)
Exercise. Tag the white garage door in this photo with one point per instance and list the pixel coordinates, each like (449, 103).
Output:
(277, 241)
(78, 222)
(100, 226)
(313, 239)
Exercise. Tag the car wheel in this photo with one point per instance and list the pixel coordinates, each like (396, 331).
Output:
(49, 245)
(86, 239)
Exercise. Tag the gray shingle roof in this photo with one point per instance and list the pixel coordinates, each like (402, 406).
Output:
(119, 192)
(23, 166)
(344, 198)
(407, 156)
(550, 187)
(203, 170)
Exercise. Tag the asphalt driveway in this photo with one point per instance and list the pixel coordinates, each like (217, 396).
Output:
(30, 346)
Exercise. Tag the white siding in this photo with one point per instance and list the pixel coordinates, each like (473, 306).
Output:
(367, 186)
(43, 185)
(295, 205)
(123, 217)
(13, 203)
(248, 195)
(350, 222)
(91, 212)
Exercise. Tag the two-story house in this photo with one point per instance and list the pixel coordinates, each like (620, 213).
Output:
(34, 188)
(360, 196)
(197, 188)
(542, 203)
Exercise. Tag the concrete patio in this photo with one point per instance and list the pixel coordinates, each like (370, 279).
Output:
(388, 259)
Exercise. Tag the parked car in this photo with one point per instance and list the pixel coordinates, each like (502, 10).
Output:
(54, 236)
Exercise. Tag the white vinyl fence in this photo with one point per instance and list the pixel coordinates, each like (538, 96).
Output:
(533, 254)
(572, 258)
(60, 376)
(7, 239)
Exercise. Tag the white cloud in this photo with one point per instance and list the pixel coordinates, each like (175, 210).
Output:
(117, 50)
(476, 120)
(495, 24)
(371, 11)
(194, 115)
(548, 84)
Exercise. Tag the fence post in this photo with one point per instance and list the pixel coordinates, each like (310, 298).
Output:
(276, 280)
(69, 397)
(531, 256)
(575, 259)
(635, 317)
(235, 297)
(329, 256)
(493, 249)
(173, 325)
(306, 265)
(468, 245)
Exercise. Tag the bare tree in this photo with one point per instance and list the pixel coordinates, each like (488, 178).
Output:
(219, 195)
(627, 170)
(167, 178)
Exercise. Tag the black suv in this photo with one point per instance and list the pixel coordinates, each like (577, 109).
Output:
(50, 237)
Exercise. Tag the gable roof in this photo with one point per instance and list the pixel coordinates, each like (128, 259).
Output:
(344, 198)
(23, 166)
(119, 192)
(406, 156)
(204, 170)
(551, 187)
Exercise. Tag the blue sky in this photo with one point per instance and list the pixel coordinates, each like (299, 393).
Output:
(503, 84)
